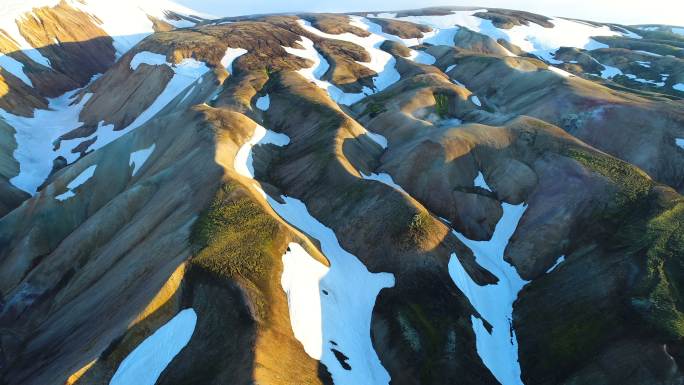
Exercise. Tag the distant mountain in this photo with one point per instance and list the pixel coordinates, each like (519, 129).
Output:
(448, 195)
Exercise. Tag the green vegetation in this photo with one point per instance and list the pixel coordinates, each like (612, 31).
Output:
(235, 239)
(584, 330)
(374, 109)
(634, 185)
(432, 337)
(659, 295)
(420, 228)
(442, 105)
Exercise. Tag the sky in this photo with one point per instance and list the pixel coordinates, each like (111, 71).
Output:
(615, 11)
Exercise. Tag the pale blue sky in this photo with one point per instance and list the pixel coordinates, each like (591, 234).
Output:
(618, 11)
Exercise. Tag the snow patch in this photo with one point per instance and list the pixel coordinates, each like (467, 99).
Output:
(15, 68)
(422, 57)
(149, 58)
(244, 161)
(560, 260)
(498, 349)
(532, 38)
(127, 21)
(340, 318)
(480, 182)
(230, 56)
(348, 291)
(560, 72)
(138, 158)
(476, 100)
(149, 359)
(381, 62)
(79, 180)
(609, 72)
(385, 179)
(679, 142)
(678, 87)
(319, 68)
(35, 136)
(263, 103)
(187, 72)
(378, 139)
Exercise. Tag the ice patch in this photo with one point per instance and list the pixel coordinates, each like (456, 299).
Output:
(263, 103)
(138, 158)
(79, 180)
(244, 161)
(149, 359)
(230, 56)
(498, 349)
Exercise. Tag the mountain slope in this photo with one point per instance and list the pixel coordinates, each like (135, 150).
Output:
(420, 197)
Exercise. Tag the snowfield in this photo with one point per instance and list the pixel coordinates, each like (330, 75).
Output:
(498, 350)
(35, 136)
(144, 364)
(531, 38)
(347, 292)
(319, 68)
(330, 308)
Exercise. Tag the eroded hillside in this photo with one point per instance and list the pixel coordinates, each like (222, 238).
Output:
(444, 195)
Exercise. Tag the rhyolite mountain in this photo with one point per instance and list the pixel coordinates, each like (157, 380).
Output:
(451, 195)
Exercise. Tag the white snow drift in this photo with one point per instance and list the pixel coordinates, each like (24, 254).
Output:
(144, 364)
(79, 180)
(244, 161)
(330, 308)
(498, 349)
(346, 293)
(138, 158)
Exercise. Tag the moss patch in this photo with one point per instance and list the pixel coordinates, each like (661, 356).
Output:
(442, 105)
(420, 228)
(236, 240)
(633, 184)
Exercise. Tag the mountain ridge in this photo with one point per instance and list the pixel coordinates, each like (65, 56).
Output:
(426, 196)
